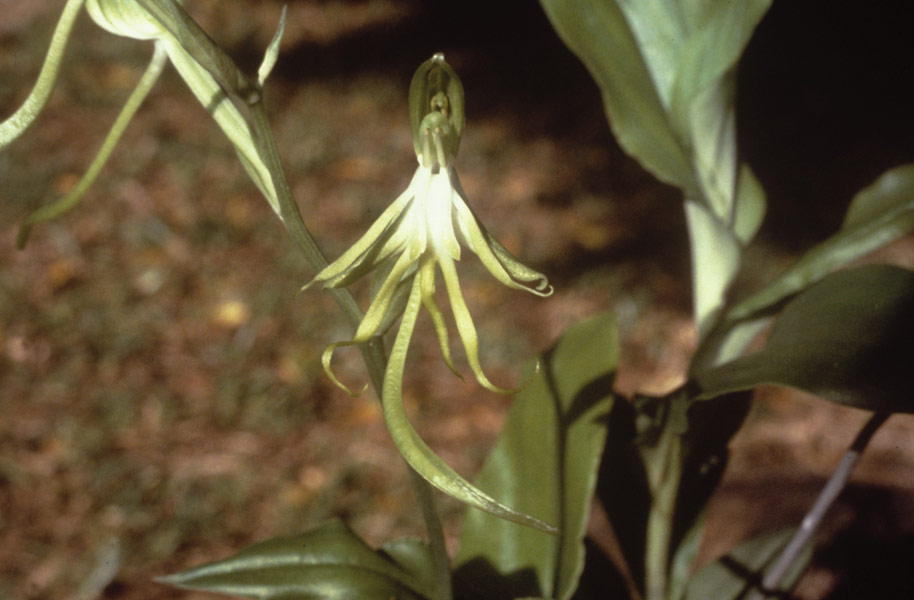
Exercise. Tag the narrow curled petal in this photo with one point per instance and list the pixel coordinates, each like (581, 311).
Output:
(419, 456)
(337, 273)
(427, 285)
(327, 356)
(378, 316)
(465, 326)
(37, 99)
(495, 257)
(65, 203)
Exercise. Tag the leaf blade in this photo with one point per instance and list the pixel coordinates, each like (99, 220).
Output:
(878, 214)
(847, 339)
(327, 560)
(545, 462)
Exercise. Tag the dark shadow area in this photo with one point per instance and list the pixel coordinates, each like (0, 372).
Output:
(506, 53)
(872, 555)
(824, 107)
(712, 424)
(622, 488)
(479, 580)
(871, 566)
(600, 578)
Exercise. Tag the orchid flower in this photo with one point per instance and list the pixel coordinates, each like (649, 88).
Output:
(424, 230)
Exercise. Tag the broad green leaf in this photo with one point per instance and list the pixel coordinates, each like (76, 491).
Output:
(702, 104)
(545, 463)
(730, 577)
(878, 214)
(328, 562)
(719, 31)
(599, 34)
(847, 338)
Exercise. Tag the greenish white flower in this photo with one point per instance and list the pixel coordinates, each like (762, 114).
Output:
(425, 229)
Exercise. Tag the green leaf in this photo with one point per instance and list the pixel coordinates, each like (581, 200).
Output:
(328, 562)
(599, 34)
(730, 577)
(878, 214)
(702, 105)
(545, 463)
(847, 338)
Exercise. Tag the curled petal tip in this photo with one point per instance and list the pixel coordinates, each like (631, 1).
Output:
(328, 370)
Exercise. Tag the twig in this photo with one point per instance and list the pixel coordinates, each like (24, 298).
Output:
(813, 518)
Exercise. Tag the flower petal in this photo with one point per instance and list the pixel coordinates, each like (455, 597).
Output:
(416, 452)
(495, 257)
(427, 285)
(439, 221)
(350, 258)
(374, 316)
(465, 326)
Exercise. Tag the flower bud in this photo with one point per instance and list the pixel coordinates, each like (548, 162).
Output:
(436, 111)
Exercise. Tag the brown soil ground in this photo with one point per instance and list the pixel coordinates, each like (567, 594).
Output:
(162, 397)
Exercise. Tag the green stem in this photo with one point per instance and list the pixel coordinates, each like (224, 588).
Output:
(211, 57)
(372, 352)
(20, 120)
(68, 201)
(664, 464)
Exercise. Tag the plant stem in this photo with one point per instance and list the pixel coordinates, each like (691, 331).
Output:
(372, 353)
(664, 466)
(209, 55)
(813, 518)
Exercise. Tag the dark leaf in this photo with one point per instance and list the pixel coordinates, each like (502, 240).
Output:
(327, 562)
(847, 338)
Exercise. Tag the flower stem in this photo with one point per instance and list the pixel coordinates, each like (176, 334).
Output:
(211, 57)
(372, 352)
